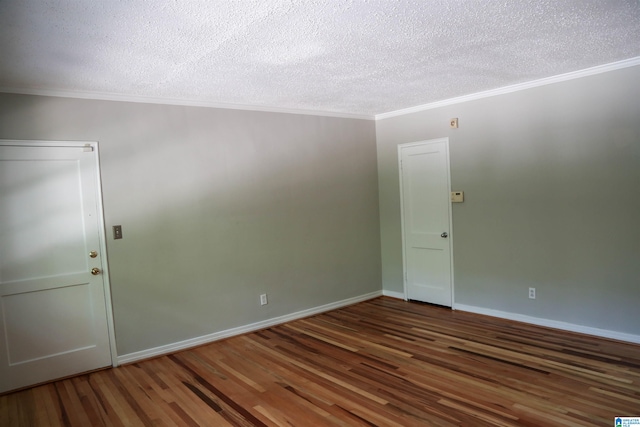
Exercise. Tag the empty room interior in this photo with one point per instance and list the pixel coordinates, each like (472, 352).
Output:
(340, 213)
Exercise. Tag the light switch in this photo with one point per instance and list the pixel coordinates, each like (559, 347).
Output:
(117, 232)
(457, 196)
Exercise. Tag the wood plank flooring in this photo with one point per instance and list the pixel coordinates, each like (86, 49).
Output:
(384, 362)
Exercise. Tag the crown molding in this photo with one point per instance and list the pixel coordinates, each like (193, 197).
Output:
(632, 62)
(102, 96)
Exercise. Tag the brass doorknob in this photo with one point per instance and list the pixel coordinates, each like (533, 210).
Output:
(93, 254)
(95, 271)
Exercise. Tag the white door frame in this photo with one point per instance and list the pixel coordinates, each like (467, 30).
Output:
(404, 255)
(93, 145)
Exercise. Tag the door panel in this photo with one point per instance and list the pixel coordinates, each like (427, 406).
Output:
(50, 311)
(53, 315)
(425, 215)
(43, 226)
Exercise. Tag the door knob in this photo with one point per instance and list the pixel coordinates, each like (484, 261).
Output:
(95, 271)
(93, 254)
(444, 234)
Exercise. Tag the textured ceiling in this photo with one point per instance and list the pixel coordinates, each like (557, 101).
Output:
(362, 57)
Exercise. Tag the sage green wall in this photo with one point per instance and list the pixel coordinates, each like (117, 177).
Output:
(219, 206)
(551, 177)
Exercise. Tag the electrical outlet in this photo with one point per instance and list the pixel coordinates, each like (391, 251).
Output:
(532, 293)
(453, 123)
(263, 299)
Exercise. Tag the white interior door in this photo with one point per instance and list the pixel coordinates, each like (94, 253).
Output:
(426, 220)
(53, 313)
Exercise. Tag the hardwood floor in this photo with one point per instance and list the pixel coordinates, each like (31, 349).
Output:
(384, 362)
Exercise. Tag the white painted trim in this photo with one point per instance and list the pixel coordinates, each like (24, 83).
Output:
(632, 62)
(555, 324)
(451, 233)
(393, 294)
(101, 96)
(105, 263)
(402, 226)
(205, 339)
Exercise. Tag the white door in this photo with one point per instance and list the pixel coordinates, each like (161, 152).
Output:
(53, 313)
(426, 221)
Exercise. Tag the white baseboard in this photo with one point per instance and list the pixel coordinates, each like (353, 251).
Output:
(193, 342)
(392, 294)
(620, 336)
